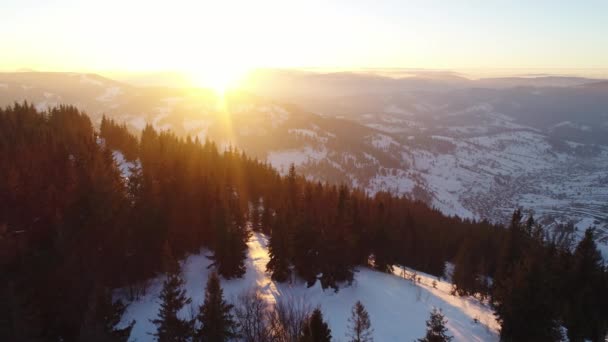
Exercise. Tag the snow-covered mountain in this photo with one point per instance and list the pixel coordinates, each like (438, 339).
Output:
(470, 148)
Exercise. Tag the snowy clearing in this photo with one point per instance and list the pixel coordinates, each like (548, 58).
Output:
(398, 308)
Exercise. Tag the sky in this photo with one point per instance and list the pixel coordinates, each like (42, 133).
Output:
(231, 36)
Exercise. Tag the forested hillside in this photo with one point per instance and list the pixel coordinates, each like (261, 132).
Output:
(73, 228)
(472, 148)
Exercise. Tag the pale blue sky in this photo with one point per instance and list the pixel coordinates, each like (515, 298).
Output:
(200, 35)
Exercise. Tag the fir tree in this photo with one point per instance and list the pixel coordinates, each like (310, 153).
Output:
(170, 327)
(524, 294)
(215, 315)
(266, 221)
(255, 216)
(360, 326)
(382, 243)
(306, 254)
(315, 329)
(584, 318)
(435, 328)
(103, 317)
(278, 251)
(464, 277)
(230, 247)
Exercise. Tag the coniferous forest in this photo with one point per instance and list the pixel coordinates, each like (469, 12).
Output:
(74, 228)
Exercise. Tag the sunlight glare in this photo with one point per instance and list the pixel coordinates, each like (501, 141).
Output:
(219, 78)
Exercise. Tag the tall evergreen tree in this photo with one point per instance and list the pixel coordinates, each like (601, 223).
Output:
(337, 261)
(279, 250)
(524, 292)
(215, 314)
(359, 325)
(383, 243)
(468, 277)
(436, 330)
(584, 318)
(305, 248)
(230, 247)
(316, 329)
(255, 216)
(102, 319)
(169, 326)
(266, 221)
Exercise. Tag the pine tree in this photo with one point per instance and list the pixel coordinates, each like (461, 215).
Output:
(583, 315)
(306, 254)
(102, 318)
(464, 276)
(266, 221)
(215, 315)
(435, 328)
(315, 329)
(278, 251)
(255, 216)
(173, 298)
(292, 187)
(168, 263)
(523, 294)
(230, 247)
(382, 243)
(336, 255)
(360, 326)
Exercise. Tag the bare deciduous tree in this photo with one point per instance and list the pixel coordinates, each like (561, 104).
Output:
(287, 319)
(251, 311)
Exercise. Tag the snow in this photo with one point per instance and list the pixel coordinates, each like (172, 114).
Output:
(109, 94)
(85, 79)
(163, 112)
(398, 307)
(246, 131)
(278, 115)
(282, 159)
(386, 128)
(396, 182)
(304, 132)
(307, 133)
(172, 101)
(138, 122)
(190, 125)
(571, 124)
(394, 109)
(101, 142)
(383, 141)
(123, 164)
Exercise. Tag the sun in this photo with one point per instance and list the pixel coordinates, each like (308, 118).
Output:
(219, 78)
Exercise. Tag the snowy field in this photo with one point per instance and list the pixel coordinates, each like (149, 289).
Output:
(398, 308)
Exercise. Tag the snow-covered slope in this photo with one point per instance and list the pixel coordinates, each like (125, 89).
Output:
(398, 307)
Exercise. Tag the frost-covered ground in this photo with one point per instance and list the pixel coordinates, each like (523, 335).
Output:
(398, 308)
